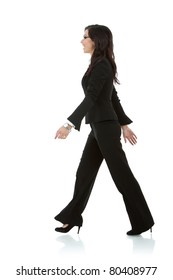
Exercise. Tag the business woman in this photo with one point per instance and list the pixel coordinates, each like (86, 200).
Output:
(102, 109)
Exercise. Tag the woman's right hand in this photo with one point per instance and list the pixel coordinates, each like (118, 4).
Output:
(129, 135)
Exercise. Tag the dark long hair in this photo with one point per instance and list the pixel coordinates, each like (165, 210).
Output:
(103, 40)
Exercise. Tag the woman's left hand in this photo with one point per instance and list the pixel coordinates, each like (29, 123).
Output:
(129, 135)
(62, 133)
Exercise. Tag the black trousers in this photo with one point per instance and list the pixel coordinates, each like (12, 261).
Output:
(104, 143)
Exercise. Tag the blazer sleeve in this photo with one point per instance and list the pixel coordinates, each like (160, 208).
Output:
(122, 117)
(96, 82)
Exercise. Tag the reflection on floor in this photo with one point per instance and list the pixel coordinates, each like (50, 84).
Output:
(72, 245)
(142, 245)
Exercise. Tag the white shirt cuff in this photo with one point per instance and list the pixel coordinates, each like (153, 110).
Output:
(70, 123)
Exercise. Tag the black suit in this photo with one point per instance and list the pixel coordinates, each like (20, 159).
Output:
(101, 102)
(103, 111)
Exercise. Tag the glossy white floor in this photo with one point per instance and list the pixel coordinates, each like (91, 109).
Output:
(41, 53)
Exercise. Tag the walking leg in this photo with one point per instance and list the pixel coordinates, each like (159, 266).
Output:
(85, 178)
(108, 138)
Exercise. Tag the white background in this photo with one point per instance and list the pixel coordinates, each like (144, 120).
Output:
(42, 63)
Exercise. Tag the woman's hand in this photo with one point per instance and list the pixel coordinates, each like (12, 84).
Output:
(129, 135)
(62, 133)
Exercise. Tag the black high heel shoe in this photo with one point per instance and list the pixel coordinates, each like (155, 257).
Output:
(136, 232)
(66, 229)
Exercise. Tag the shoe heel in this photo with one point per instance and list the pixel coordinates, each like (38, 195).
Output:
(78, 229)
(151, 229)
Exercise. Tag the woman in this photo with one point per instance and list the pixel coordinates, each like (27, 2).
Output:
(102, 110)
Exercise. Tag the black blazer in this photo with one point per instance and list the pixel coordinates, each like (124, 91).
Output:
(101, 101)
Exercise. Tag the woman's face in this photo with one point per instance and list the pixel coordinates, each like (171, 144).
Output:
(88, 44)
